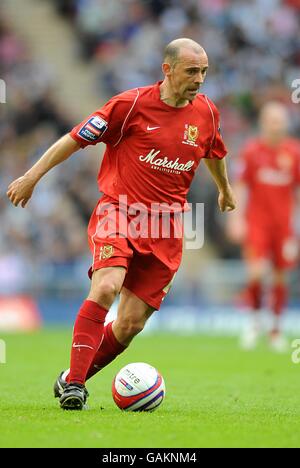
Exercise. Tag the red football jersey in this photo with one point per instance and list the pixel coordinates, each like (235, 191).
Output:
(271, 174)
(152, 149)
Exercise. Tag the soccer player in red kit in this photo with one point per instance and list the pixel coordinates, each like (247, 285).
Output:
(155, 138)
(268, 177)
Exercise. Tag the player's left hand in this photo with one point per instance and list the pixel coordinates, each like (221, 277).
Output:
(226, 200)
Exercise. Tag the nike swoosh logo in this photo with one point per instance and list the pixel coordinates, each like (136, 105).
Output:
(152, 128)
(81, 346)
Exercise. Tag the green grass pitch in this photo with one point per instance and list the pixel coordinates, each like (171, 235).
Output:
(217, 396)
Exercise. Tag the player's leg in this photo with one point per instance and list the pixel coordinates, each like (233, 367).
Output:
(132, 316)
(88, 332)
(285, 254)
(279, 295)
(111, 257)
(147, 282)
(256, 253)
(256, 270)
(88, 329)
(279, 298)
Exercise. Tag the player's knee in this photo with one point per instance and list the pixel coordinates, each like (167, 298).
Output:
(105, 292)
(108, 289)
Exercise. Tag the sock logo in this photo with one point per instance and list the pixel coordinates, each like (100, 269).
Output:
(81, 346)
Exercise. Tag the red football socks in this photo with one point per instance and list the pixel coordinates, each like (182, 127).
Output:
(87, 336)
(279, 298)
(109, 349)
(255, 295)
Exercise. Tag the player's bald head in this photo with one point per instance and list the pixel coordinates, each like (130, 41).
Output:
(274, 117)
(178, 48)
(184, 67)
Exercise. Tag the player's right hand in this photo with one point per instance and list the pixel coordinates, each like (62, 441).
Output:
(20, 190)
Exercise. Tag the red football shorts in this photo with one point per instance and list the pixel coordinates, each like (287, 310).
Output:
(271, 243)
(151, 262)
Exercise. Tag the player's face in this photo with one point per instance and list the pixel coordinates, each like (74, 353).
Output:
(188, 74)
(274, 121)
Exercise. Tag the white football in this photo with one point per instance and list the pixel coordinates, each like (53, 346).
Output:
(138, 387)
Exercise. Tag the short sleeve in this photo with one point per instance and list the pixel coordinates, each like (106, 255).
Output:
(217, 148)
(109, 123)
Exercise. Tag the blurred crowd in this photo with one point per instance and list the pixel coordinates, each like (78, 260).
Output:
(254, 53)
(251, 43)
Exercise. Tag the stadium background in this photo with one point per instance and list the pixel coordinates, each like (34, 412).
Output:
(61, 60)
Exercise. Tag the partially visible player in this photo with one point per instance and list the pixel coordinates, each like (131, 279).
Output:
(268, 176)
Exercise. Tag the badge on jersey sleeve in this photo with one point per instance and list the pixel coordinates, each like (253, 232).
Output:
(93, 129)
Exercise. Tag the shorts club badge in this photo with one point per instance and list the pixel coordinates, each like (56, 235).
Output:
(106, 251)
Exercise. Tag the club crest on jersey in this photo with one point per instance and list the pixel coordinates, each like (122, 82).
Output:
(93, 129)
(106, 251)
(190, 135)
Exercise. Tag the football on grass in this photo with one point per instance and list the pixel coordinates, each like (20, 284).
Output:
(138, 387)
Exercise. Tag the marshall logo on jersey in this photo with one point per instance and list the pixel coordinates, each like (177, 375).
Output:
(190, 135)
(93, 129)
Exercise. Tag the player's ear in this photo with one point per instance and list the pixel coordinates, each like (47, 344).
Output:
(166, 68)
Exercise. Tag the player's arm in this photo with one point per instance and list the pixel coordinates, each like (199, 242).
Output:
(105, 125)
(218, 171)
(20, 190)
(216, 164)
